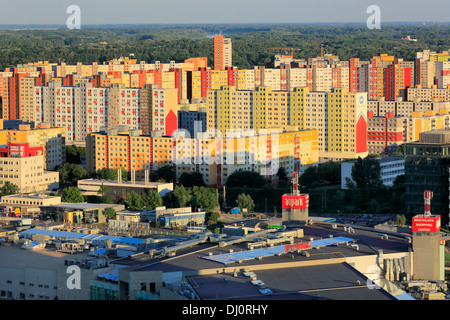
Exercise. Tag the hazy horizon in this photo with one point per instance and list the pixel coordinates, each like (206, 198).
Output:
(177, 12)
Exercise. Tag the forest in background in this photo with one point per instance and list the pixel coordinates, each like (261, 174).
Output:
(251, 42)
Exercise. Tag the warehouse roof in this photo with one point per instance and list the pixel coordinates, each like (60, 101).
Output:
(332, 281)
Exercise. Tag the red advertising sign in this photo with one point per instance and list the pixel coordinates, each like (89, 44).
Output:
(298, 246)
(295, 202)
(423, 223)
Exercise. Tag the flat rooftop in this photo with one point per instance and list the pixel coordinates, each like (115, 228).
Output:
(197, 257)
(123, 183)
(13, 256)
(32, 196)
(324, 274)
(82, 206)
(331, 282)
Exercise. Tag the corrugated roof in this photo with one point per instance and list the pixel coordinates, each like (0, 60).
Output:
(265, 252)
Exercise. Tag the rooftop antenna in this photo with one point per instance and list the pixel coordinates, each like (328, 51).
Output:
(427, 196)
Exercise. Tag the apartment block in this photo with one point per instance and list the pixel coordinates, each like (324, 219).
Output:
(443, 74)
(223, 55)
(339, 116)
(213, 155)
(80, 109)
(18, 97)
(193, 120)
(119, 148)
(158, 110)
(425, 72)
(384, 133)
(430, 94)
(23, 166)
(229, 108)
(405, 108)
(52, 140)
(322, 78)
(347, 125)
(397, 80)
(371, 80)
(123, 107)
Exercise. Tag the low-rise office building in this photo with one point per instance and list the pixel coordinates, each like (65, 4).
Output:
(120, 189)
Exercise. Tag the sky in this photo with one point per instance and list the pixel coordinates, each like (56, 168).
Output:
(214, 11)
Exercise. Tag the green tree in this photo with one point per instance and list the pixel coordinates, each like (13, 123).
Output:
(74, 153)
(400, 151)
(182, 195)
(400, 220)
(72, 195)
(212, 218)
(243, 178)
(103, 190)
(165, 174)
(205, 198)
(366, 173)
(329, 172)
(245, 201)
(109, 174)
(283, 179)
(191, 179)
(349, 183)
(110, 213)
(309, 177)
(134, 200)
(9, 188)
(282, 174)
(399, 181)
(70, 173)
(152, 199)
(107, 199)
(105, 174)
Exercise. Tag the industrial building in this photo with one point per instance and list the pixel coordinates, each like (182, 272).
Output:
(322, 260)
(120, 188)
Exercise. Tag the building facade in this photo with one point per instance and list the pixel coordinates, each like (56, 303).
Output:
(427, 168)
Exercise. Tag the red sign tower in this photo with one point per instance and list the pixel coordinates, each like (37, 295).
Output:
(295, 205)
(428, 252)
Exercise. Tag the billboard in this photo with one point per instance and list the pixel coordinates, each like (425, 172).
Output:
(423, 223)
(295, 202)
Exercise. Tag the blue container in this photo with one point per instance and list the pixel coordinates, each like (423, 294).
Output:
(235, 210)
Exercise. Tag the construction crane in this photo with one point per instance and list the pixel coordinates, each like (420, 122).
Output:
(317, 44)
(291, 49)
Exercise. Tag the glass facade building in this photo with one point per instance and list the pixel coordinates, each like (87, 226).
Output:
(427, 164)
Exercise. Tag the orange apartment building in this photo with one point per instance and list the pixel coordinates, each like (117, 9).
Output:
(223, 53)
(216, 157)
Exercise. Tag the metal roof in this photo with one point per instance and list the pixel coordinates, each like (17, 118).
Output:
(265, 252)
(83, 236)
